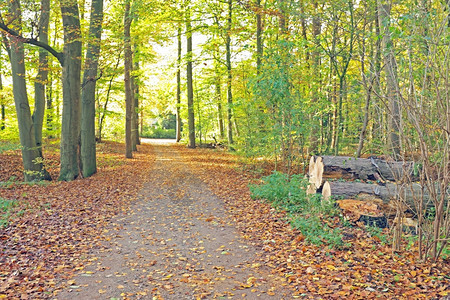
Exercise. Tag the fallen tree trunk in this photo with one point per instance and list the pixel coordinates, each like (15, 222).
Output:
(411, 192)
(367, 168)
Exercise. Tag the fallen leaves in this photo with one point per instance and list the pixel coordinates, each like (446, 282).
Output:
(56, 224)
(362, 271)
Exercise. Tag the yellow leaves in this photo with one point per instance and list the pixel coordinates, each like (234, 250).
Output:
(331, 267)
(100, 291)
(120, 287)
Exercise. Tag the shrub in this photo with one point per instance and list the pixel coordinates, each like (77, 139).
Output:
(307, 213)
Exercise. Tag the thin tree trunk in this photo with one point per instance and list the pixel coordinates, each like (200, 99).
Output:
(3, 106)
(190, 90)
(128, 91)
(259, 40)
(393, 90)
(316, 25)
(368, 83)
(178, 112)
(134, 133)
(102, 116)
(219, 106)
(230, 76)
(137, 140)
(42, 76)
(88, 150)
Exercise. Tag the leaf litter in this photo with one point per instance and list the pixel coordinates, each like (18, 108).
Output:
(192, 231)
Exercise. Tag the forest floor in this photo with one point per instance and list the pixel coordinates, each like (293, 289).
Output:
(178, 223)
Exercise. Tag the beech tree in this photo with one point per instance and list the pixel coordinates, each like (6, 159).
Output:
(88, 143)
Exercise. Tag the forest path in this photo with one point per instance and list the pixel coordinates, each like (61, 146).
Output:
(176, 242)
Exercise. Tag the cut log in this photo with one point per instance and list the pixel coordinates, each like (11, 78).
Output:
(361, 211)
(366, 168)
(326, 191)
(387, 193)
(315, 171)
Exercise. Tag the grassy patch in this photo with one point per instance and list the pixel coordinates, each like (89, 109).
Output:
(5, 210)
(8, 146)
(307, 213)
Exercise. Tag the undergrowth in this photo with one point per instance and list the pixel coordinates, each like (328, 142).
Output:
(307, 213)
(5, 211)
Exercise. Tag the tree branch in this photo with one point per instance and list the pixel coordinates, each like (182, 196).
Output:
(11, 32)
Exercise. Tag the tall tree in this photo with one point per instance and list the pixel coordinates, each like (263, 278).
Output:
(42, 75)
(88, 144)
(129, 101)
(136, 84)
(2, 97)
(33, 167)
(189, 78)
(390, 68)
(229, 74)
(178, 108)
(71, 72)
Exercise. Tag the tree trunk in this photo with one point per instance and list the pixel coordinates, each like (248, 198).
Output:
(134, 133)
(71, 71)
(219, 105)
(30, 155)
(49, 120)
(230, 77)
(190, 90)
(88, 151)
(3, 106)
(391, 191)
(128, 91)
(178, 112)
(316, 29)
(137, 140)
(362, 168)
(42, 76)
(393, 90)
(259, 40)
(102, 115)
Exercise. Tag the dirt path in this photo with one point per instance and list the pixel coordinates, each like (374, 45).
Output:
(176, 242)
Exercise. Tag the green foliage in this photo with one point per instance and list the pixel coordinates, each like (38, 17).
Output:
(378, 232)
(5, 210)
(8, 146)
(307, 213)
(158, 133)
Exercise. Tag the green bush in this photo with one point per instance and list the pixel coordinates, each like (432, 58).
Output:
(158, 133)
(307, 213)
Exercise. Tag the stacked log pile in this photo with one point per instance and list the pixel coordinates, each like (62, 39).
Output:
(372, 185)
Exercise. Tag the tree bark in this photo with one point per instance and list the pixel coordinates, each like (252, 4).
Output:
(316, 29)
(230, 76)
(30, 155)
(178, 111)
(219, 105)
(410, 192)
(42, 76)
(128, 91)
(2, 104)
(372, 168)
(71, 72)
(88, 150)
(190, 90)
(137, 140)
(259, 40)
